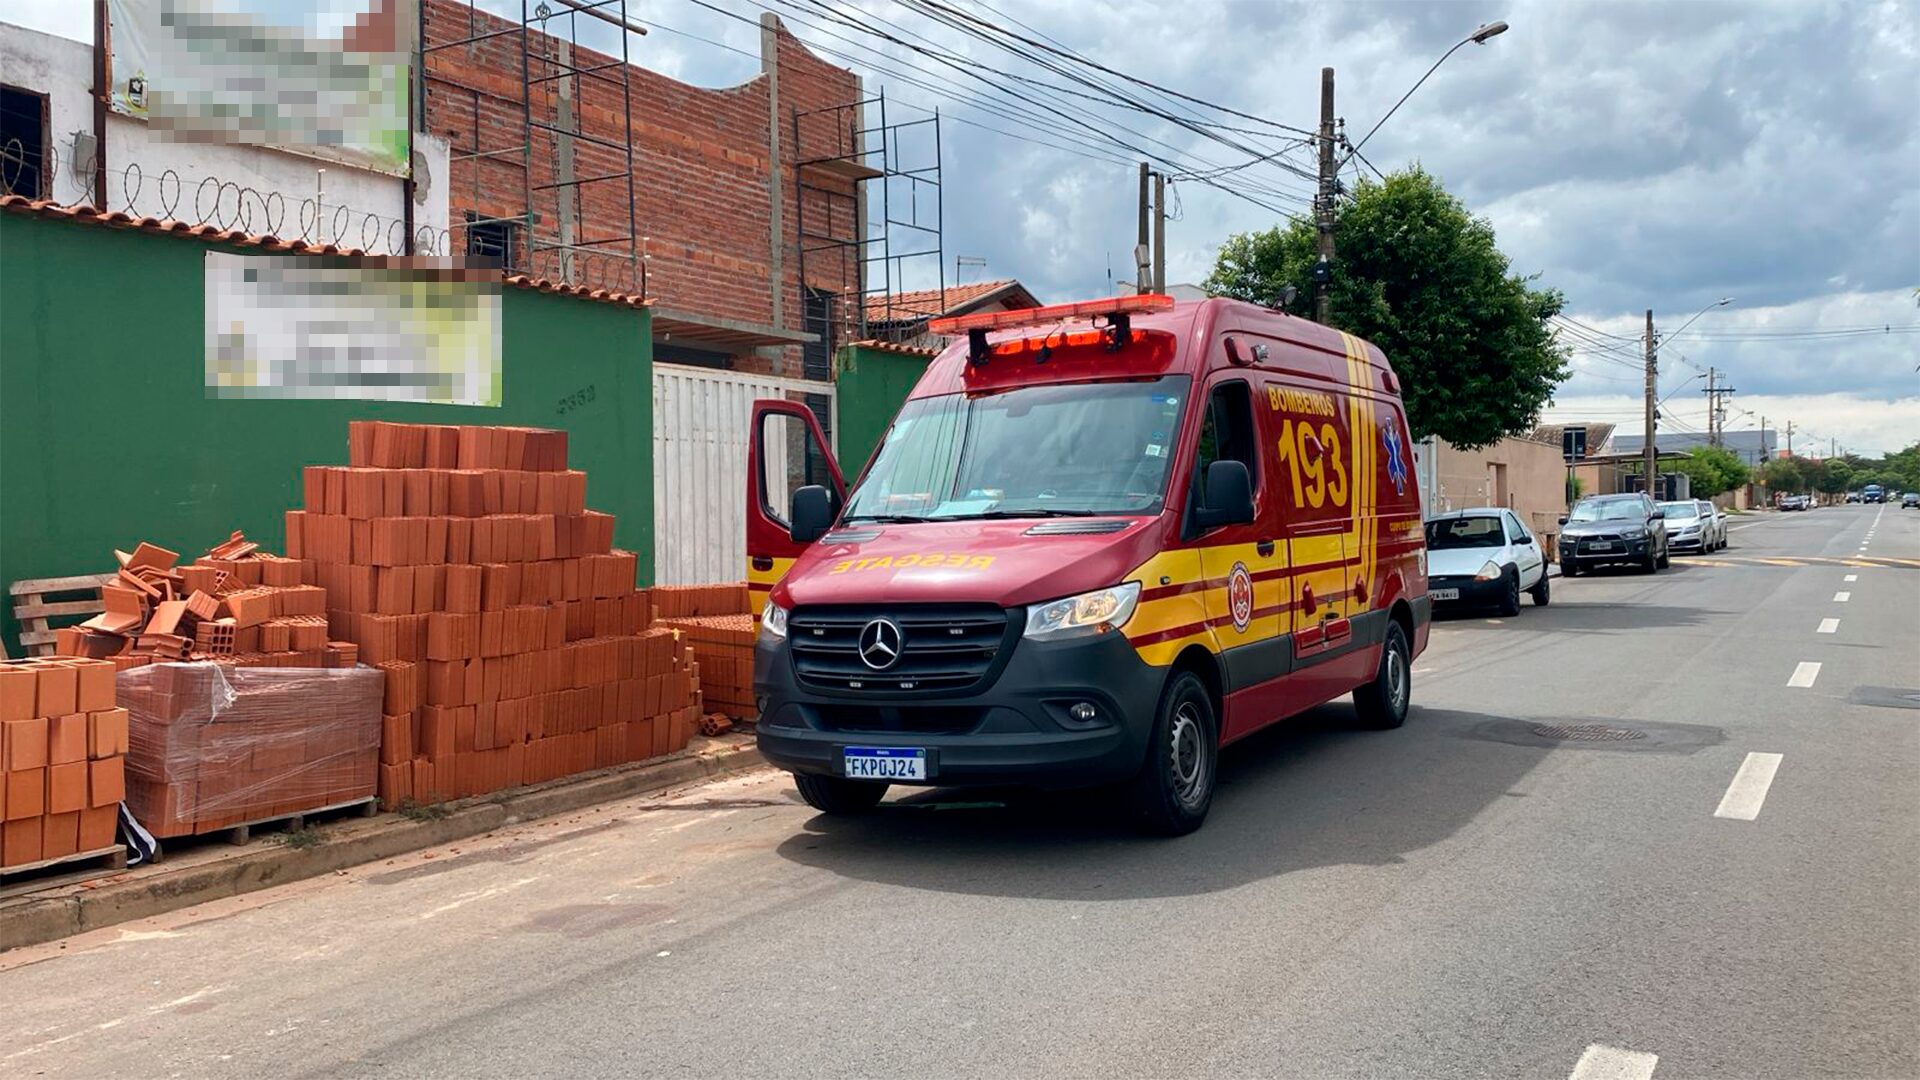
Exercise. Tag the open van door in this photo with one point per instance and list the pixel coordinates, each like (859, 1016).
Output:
(787, 452)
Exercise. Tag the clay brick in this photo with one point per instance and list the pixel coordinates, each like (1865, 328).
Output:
(19, 692)
(462, 583)
(415, 500)
(56, 689)
(251, 607)
(66, 787)
(393, 491)
(26, 793)
(99, 827)
(20, 842)
(67, 738)
(360, 440)
(106, 781)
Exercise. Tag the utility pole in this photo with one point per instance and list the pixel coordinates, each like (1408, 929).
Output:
(1716, 409)
(1324, 205)
(1789, 438)
(1159, 232)
(1650, 456)
(1764, 453)
(1140, 249)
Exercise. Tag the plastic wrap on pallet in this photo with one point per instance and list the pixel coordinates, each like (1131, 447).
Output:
(211, 745)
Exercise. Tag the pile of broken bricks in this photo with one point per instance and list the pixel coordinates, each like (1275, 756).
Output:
(234, 605)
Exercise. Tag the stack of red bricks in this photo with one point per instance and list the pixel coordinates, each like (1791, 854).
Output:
(234, 605)
(464, 563)
(715, 622)
(63, 748)
(214, 746)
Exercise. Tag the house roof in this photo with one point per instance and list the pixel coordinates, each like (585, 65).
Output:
(273, 245)
(896, 348)
(1597, 435)
(956, 300)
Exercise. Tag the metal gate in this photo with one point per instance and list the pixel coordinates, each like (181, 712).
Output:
(701, 421)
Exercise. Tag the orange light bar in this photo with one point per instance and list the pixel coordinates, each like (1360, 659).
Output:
(1053, 313)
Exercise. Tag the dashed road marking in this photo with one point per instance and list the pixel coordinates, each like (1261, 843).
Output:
(1829, 626)
(1842, 596)
(1748, 792)
(1805, 673)
(1851, 577)
(1612, 1063)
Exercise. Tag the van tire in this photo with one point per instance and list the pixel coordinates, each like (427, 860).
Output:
(1383, 702)
(838, 796)
(1174, 788)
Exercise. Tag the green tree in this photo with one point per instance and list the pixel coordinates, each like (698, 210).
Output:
(1711, 470)
(1783, 474)
(1837, 476)
(1420, 277)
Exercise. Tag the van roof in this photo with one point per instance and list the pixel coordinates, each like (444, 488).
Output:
(1292, 345)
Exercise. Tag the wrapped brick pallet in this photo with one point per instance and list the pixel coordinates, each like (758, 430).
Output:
(215, 745)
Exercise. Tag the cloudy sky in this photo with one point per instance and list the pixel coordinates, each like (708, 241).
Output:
(1633, 155)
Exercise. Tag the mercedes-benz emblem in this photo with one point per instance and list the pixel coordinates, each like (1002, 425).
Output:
(880, 644)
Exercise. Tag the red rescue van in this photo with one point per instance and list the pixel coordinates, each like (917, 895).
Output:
(1099, 542)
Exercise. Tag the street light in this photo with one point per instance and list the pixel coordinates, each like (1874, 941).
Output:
(1478, 37)
(1722, 302)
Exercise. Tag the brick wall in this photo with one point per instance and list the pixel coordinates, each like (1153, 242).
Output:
(700, 161)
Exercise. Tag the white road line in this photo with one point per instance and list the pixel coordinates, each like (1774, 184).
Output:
(1804, 674)
(1748, 792)
(1829, 626)
(1842, 597)
(1612, 1063)
(1851, 577)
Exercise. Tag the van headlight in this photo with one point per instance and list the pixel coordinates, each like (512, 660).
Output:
(773, 620)
(1093, 612)
(1490, 571)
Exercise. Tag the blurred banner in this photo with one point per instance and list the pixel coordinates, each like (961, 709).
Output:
(381, 329)
(321, 77)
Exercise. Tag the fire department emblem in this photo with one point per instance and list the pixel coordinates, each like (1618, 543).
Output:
(1396, 455)
(1240, 596)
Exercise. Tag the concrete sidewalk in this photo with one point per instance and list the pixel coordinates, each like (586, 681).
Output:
(47, 909)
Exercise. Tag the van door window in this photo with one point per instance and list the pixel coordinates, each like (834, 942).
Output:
(1226, 434)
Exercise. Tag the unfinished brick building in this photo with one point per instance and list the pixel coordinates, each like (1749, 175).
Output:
(737, 210)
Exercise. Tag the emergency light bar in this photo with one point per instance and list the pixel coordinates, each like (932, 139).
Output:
(1117, 310)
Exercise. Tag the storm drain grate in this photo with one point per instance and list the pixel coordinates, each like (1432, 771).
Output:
(1587, 732)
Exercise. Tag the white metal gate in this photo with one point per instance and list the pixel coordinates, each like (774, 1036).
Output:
(701, 424)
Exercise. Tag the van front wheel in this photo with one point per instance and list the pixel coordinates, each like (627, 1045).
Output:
(1171, 794)
(837, 796)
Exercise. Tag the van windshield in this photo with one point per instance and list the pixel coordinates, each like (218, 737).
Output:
(1032, 451)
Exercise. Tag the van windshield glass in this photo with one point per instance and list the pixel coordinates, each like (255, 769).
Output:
(1032, 451)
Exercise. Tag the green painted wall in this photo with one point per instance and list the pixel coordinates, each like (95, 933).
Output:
(870, 386)
(107, 436)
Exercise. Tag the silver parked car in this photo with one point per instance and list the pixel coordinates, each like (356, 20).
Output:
(1695, 525)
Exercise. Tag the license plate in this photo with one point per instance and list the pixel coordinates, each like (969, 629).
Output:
(885, 763)
(1600, 545)
(1446, 594)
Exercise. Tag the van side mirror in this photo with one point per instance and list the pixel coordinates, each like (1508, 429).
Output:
(1229, 491)
(812, 514)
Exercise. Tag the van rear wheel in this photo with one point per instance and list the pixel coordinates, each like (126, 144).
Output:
(1382, 703)
(1174, 788)
(837, 796)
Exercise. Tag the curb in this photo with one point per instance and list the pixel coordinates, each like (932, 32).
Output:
(156, 889)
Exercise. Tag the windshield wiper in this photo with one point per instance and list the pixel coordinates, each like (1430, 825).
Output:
(884, 519)
(995, 515)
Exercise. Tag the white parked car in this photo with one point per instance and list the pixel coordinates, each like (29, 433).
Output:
(1694, 525)
(1484, 556)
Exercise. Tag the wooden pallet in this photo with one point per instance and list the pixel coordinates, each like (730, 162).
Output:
(39, 599)
(110, 858)
(243, 832)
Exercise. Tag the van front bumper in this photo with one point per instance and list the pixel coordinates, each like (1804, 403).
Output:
(1018, 730)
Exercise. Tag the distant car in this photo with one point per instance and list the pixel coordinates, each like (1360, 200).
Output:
(1694, 525)
(1873, 493)
(1853, 496)
(1797, 502)
(1613, 529)
(1910, 501)
(1484, 557)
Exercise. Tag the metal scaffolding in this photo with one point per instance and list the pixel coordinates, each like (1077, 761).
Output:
(541, 235)
(846, 165)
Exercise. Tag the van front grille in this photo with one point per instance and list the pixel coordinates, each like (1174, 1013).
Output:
(941, 647)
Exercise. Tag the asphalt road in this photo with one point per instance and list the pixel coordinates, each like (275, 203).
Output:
(1729, 892)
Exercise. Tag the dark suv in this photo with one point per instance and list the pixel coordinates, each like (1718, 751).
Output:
(1613, 529)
